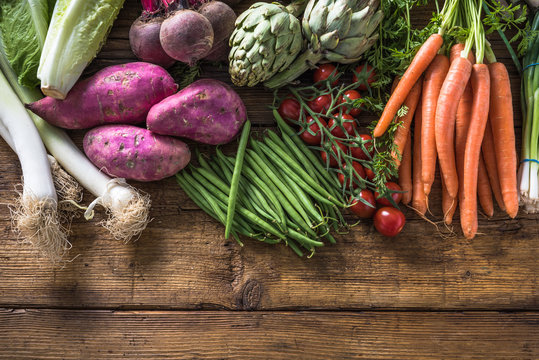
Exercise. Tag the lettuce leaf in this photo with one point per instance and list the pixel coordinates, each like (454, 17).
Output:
(77, 31)
(23, 24)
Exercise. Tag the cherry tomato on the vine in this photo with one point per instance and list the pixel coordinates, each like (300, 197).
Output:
(290, 109)
(307, 136)
(357, 151)
(323, 72)
(333, 156)
(350, 96)
(389, 221)
(397, 196)
(321, 104)
(369, 70)
(348, 122)
(361, 209)
(359, 170)
(370, 174)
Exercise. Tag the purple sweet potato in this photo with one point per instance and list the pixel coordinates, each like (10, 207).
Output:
(208, 111)
(135, 153)
(119, 94)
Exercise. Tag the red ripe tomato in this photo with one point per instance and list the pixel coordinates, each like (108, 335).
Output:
(321, 104)
(290, 109)
(370, 174)
(345, 174)
(323, 72)
(348, 123)
(349, 97)
(389, 221)
(369, 72)
(333, 156)
(357, 151)
(309, 138)
(397, 196)
(361, 209)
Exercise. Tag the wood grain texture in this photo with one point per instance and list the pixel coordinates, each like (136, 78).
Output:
(50, 334)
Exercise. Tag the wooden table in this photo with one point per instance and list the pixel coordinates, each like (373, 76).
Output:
(183, 291)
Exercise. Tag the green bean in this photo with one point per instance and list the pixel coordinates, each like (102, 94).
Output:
(287, 130)
(234, 184)
(273, 188)
(294, 226)
(308, 206)
(253, 218)
(284, 159)
(294, 247)
(288, 145)
(261, 159)
(261, 187)
(304, 239)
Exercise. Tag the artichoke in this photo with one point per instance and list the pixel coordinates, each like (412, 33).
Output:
(337, 31)
(266, 40)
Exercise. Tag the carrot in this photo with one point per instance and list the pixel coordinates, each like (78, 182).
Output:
(462, 122)
(484, 193)
(419, 64)
(489, 156)
(405, 172)
(401, 135)
(449, 204)
(456, 51)
(503, 131)
(432, 84)
(419, 200)
(444, 123)
(481, 101)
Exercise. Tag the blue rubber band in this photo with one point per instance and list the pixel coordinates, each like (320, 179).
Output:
(529, 66)
(530, 160)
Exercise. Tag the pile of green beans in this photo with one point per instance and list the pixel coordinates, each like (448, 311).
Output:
(283, 192)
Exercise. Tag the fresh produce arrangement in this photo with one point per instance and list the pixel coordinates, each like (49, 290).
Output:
(442, 101)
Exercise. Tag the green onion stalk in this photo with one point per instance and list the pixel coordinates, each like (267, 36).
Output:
(528, 173)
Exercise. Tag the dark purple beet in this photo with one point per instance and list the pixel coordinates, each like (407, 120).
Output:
(219, 52)
(144, 41)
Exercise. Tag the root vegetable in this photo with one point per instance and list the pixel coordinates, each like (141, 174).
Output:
(117, 94)
(131, 152)
(144, 41)
(222, 19)
(207, 111)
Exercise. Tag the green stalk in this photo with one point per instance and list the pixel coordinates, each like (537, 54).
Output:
(299, 66)
(236, 177)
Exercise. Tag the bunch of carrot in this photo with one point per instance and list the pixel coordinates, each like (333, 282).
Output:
(463, 105)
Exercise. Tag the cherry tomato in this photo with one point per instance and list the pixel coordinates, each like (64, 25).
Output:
(397, 196)
(389, 221)
(348, 123)
(370, 174)
(358, 152)
(361, 209)
(323, 72)
(349, 96)
(309, 138)
(321, 104)
(358, 168)
(333, 157)
(370, 73)
(290, 109)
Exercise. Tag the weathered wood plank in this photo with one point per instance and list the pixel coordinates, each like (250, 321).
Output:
(62, 334)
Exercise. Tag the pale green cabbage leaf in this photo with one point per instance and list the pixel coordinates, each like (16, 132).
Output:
(77, 31)
(23, 24)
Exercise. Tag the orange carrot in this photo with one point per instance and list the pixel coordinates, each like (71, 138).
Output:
(449, 204)
(419, 64)
(405, 172)
(444, 123)
(419, 200)
(484, 193)
(432, 84)
(503, 131)
(456, 51)
(464, 112)
(476, 130)
(401, 135)
(489, 156)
